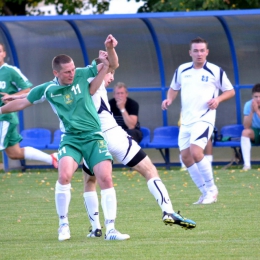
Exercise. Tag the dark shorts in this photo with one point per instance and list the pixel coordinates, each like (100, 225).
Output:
(257, 136)
(136, 134)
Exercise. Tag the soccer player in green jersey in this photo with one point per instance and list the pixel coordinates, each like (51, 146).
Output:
(12, 81)
(69, 94)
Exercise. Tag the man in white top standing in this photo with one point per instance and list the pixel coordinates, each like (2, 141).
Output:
(199, 82)
(128, 152)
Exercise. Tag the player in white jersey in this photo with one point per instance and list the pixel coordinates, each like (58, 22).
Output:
(199, 82)
(13, 82)
(128, 152)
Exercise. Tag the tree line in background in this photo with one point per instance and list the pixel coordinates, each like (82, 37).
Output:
(195, 5)
(30, 7)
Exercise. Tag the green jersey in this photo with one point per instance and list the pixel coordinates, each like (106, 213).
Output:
(11, 81)
(72, 104)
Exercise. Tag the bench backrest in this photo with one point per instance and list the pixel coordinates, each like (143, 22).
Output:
(36, 137)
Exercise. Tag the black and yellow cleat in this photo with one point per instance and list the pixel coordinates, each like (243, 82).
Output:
(177, 219)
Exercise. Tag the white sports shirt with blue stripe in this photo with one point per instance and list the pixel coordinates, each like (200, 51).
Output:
(101, 103)
(198, 86)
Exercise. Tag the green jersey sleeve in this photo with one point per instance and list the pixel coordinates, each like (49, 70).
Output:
(87, 72)
(37, 94)
(12, 81)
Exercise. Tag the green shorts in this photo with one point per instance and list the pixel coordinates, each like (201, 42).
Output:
(9, 135)
(257, 135)
(92, 147)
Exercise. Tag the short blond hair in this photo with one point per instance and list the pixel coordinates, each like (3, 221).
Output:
(120, 85)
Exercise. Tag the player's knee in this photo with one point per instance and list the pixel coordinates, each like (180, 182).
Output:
(196, 154)
(90, 183)
(247, 132)
(15, 156)
(146, 168)
(65, 177)
(90, 180)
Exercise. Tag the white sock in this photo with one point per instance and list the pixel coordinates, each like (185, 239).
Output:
(157, 188)
(109, 206)
(206, 171)
(92, 208)
(62, 200)
(197, 178)
(31, 153)
(246, 150)
(182, 164)
(209, 157)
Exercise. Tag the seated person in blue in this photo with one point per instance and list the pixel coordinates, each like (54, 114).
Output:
(125, 111)
(251, 132)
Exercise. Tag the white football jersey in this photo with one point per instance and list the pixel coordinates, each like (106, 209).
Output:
(120, 144)
(198, 86)
(101, 103)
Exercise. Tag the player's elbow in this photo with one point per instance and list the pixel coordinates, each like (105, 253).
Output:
(232, 93)
(114, 66)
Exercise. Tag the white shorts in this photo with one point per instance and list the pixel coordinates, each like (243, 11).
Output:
(198, 133)
(122, 147)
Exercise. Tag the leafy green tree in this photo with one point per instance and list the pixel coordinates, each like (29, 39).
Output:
(195, 5)
(30, 7)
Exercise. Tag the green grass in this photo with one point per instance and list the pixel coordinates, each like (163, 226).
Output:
(228, 229)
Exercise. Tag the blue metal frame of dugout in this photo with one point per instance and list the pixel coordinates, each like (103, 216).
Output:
(145, 18)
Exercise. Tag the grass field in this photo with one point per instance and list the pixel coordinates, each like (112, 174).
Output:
(227, 229)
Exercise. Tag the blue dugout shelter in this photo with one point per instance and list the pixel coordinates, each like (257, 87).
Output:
(151, 46)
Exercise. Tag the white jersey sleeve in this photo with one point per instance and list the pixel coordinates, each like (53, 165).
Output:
(176, 80)
(102, 106)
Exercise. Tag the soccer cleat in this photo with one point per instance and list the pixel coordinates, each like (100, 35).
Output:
(54, 157)
(64, 232)
(96, 233)
(200, 200)
(211, 197)
(246, 168)
(183, 169)
(176, 218)
(113, 234)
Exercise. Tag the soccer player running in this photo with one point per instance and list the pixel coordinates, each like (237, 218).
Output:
(128, 152)
(13, 82)
(69, 94)
(199, 82)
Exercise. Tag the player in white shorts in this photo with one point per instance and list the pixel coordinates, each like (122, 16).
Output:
(128, 152)
(199, 82)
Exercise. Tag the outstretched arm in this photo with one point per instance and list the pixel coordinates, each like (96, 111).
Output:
(110, 45)
(21, 94)
(15, 105)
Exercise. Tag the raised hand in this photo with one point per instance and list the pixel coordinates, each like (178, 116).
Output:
(110, 42)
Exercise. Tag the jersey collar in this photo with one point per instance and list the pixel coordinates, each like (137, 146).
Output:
(56, 81)
(203, 67)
